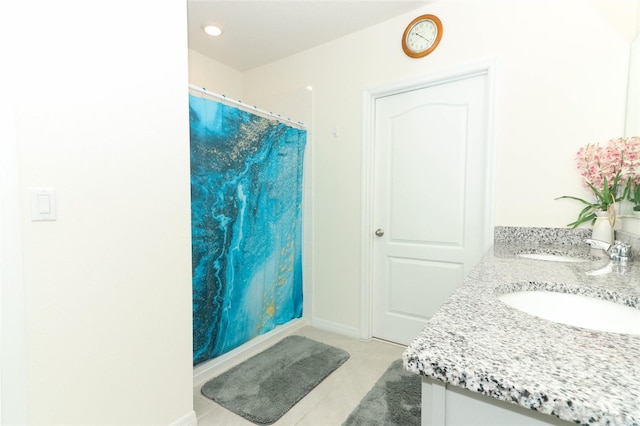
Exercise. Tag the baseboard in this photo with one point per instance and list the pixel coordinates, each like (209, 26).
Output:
(353, 332)
(210, 369)
(189, 419)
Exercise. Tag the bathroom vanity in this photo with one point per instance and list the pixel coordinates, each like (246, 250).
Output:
(484, 362)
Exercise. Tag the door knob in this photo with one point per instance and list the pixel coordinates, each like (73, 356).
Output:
(379, 232)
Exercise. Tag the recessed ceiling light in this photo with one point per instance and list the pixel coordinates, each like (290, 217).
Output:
(212, 30)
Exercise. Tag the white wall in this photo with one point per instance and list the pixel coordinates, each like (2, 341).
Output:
(212, 75)
(632, 124)
(562, 73)
(102, 117)
(13, 379)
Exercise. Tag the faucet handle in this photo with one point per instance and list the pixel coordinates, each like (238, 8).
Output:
(620, 250)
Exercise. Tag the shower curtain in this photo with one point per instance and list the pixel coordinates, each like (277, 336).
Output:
(246, 196)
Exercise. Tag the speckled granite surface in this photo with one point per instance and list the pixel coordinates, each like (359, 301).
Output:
(504, 235)
(479, 343)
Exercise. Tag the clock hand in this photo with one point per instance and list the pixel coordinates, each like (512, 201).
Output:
(421, 36)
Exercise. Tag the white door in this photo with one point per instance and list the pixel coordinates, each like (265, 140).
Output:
(430, 194)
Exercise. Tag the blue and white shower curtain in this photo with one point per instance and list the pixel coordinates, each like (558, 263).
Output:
(246, 216)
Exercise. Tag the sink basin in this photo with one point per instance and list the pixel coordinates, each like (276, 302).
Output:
(577, 310)
(552, 257)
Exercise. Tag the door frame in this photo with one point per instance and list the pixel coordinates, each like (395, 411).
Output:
(369, 97)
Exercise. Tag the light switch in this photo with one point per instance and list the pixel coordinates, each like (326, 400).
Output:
(43, 204)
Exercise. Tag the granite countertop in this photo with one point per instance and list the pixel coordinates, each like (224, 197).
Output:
(477, 342)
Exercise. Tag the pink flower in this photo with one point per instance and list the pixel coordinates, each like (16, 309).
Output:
(595, 163)
(631, 161)
(618, 164)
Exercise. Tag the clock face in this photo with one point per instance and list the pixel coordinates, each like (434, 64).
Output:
(422, 36)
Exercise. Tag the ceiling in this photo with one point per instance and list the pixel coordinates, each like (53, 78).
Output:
(259, 32)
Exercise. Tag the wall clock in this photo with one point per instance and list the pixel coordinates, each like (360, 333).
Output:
(422, 36)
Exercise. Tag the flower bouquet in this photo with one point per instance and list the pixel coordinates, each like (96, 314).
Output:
(602, 168)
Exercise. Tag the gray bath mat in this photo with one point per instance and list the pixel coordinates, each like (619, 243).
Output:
(393, 400)
(263, 388)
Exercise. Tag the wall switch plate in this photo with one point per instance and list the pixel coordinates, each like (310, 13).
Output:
(43, 204)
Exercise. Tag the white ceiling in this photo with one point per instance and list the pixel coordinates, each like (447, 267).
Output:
(259, 32)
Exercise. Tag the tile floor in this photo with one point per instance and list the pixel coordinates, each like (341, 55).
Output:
(331, 402)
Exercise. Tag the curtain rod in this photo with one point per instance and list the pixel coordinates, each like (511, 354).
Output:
(246, 107)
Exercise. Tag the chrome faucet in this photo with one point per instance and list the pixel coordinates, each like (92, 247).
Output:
(619, 254)
(618, 251)
(598, 244)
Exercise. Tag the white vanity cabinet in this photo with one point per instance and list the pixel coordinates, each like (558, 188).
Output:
(447, 405)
